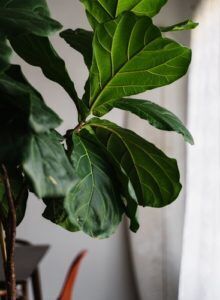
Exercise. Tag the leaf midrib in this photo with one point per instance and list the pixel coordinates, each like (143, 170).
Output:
(93, 182)
(116, 133)
(108, 83)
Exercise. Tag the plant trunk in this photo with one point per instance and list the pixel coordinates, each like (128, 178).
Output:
(10, 234)
(3, 246)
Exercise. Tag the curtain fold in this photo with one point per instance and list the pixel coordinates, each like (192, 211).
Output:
(200, 270)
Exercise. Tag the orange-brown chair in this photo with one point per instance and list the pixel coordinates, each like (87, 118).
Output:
(67, 290)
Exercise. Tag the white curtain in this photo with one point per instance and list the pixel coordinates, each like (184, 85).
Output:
(200, 272)
(156, 249)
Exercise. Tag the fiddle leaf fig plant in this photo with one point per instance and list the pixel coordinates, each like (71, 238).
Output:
(98, 172)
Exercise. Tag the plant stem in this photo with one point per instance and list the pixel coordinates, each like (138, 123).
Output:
(10, 232)
(3, 247)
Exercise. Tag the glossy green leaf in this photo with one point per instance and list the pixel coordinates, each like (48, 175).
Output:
(156, 115)
(56, 213)
(186, 25)
(101, 11)
(80, 40)
(130, 57)
(14, 21)
(125, 189)
(5, 53)
(19, 192)
(94, 202)
(19, 97)
(46, 165)
(154, 177)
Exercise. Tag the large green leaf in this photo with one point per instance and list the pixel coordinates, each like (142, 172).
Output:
(94, 202)
(56, 213)
(22, 110)
(185, 25)
(15, 21)
(19, 192)
(101, 11)
(130, 57)
(130, 206)
(18, 98)
(80, 40)
(156, 115)
(47, 166)
(5, 53)
(153, 176)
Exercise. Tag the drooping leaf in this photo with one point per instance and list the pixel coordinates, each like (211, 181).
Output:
(154, 176)
(80, 40)
(101, 11)
(18, 97)
(14, 21)
(156, 115)
(5, 53)
(46, 165)
(186, 25)
(130, 57)
(19, 192)
(22, 110)
(56, 213)
(86, 95)
(39, 52)
(93, 203)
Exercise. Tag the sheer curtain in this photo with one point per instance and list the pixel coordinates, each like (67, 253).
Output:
(200, 272)
(156, 248)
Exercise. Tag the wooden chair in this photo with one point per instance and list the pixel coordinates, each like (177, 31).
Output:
(67, 290)
(27, 258)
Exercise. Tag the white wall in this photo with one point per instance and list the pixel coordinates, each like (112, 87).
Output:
(106, 272)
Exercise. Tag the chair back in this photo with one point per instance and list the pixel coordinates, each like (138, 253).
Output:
(67, 290)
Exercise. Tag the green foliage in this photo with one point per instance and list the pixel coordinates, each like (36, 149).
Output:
(80, 40)
(94, 202)
(55, 213)
(156, 115)
(186, 25)
(141, 60)
(39, 52)
(14, 21)
(36, 6)
(98, 172)
(19, 192)
(22, 111)
(21, 98)
(46, 165)
(153, 176)
(5, 53)
(101, 11)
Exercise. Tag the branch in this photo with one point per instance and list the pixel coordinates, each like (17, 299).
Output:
(10, 231)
